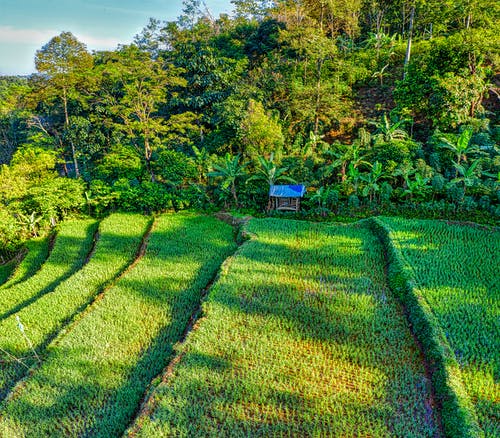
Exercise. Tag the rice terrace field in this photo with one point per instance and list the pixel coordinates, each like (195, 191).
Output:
(184, 325)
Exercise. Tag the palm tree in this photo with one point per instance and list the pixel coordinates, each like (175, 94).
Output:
(229, 171)
(460, 147)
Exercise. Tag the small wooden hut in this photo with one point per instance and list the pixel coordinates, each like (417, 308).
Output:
(285, 197)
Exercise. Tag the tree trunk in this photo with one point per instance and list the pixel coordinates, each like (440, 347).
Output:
(318, 98)
(343, 171)
(233, 192)
(147, 156)
(410, 35)
(66, 121)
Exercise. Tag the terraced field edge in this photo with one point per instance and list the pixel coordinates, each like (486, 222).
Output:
(29, 261)
(458, 415)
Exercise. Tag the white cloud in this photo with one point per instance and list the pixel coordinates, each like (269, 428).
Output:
(11, 35)
(38, 37)
(98, 42)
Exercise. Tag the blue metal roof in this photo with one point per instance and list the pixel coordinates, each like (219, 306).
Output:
(287, 191)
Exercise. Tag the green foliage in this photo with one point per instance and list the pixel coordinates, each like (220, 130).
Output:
(229, 171)
(324, 200)
(120, 162)
(418, 188)
(13, 115)
(63, 64)
(447, 83)
(62, 55)
(9, 234)
(302, 80)
(389, 130)
(372, 180)
(260, 133)
(146, 197)
(269, 172)
(56, 198)
(144, 84)
(457, 99)
(174, 167)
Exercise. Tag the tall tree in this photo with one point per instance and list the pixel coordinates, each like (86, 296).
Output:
(260, 132)
(318, 92)
(253, 9)
(13, 115)
(63, 62)
(140, 85)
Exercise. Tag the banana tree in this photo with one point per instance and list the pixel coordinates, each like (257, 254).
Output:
(351, 155)
(461, 147)
(269, 172)
(372, 180)
(389, 130)
(417, 188)
(353, 178)
(228, 172)
(468, 175)
(325, 197)
(30, 222)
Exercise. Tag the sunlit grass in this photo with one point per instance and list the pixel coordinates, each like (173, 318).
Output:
(300, 337)
(37, 252)
(459, 276)
(120, 236)
(94, 376)
(72, 245)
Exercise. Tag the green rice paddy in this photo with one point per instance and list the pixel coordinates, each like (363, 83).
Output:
(299, 332)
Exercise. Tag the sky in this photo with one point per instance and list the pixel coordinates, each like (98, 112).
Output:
(26, 25)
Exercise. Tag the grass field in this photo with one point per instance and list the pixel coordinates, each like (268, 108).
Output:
(120, 237)
(72, 245)
(37, 251)
(299, 337)
(457, 271)
(95, 376)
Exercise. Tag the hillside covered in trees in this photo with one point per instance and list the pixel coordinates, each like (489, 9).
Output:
(376, 106)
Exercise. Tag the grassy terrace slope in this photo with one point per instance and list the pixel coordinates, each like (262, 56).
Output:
(300, 337)
(457, 271)
(94, 376)
(6, 271)
(72, 245)
(37, 252)
(120, 236)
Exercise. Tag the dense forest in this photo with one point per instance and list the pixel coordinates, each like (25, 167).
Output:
(375, 106)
